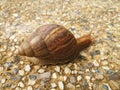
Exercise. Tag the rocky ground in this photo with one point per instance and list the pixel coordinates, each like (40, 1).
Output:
(98, 67)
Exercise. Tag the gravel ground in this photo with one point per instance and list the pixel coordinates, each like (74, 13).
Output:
(96, 69)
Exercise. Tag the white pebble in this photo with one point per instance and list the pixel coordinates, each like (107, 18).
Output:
(64, 78)
(67, 70)
(3, 80)
(21, 84)
(29, 88)
(31, 82)
(87, 77)
(53, 85)
(105, 67)
(41, 70)
(54, 75)
(57, 69)
(61, 85)
(99, 76)
(1, 68)
(95, 63)
(21, 72)
(79, 78)
(27, 68)
(15, 14)
(104, 62)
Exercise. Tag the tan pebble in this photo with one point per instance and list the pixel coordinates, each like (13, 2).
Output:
(79, 78)
(71, 86)
(21, 72)
(3, 80)
(74, 72)
(53, 85)
(60, 85)
(21, 84)
(57, 68)
(21, 62)
(104, 62)
(29, 88)
(114, 85)
(106, 67)
(1, 69)
(41, 70)
(54, 75)
(95, 62)
(99, 76)
(67, 70)
(31, 82)
(64, 78)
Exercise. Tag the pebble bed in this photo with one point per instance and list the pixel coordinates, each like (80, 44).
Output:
(97, 67)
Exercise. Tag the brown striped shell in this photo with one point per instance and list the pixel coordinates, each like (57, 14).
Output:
(53, 44)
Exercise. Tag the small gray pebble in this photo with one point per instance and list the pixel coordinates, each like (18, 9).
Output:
(33, 77)
(15, 71)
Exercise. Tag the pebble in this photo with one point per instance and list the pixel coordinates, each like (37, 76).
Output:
(33, 77)
(72, 79)
(105, 86)
(15, 70)
(53, 85)
(61, 85)
(67, 70)
(54, 75)
(29, 88)
(27, 68)
(31, 82)
(114, 85)
(95, 63)
(8, 64)
(99, 76)
(3, 80)
(41, 70)
(1, 69)
(16, 59)
(104, 62)
(70, 86)
(21, 72)
(57, 69)
(45, 75)
(21, 84)
(114, 76)
(105, 67)
(79, 78)
(87, 77)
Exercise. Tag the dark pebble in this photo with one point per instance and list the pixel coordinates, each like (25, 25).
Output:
(16, 59)
(84, 84)
(9, 64)
(33, 77)
(15, 71)
(105, 87)
(96, 52)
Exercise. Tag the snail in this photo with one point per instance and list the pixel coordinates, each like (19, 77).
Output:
(53, 44)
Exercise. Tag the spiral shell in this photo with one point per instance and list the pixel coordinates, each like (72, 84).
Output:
(50, 42)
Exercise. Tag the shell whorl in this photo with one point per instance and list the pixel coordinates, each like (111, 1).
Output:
(50, 41)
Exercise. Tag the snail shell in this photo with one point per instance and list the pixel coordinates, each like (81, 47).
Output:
(53, 44)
